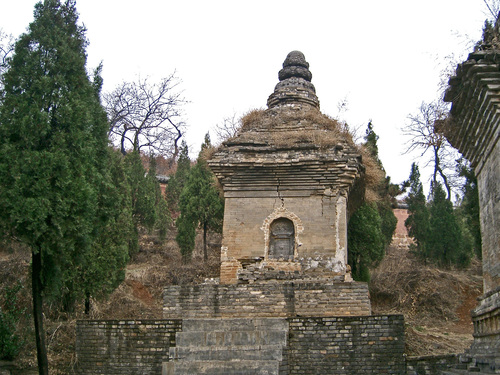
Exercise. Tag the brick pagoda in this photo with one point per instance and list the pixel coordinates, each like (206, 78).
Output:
(288, 178)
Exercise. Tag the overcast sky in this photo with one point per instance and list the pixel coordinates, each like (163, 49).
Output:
(384, 57)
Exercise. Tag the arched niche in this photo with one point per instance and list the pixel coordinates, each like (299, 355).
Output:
(282, 239)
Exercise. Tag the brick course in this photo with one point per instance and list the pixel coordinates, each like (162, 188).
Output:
(273, 299)
(316, 345)
(124, 347)
(346, 345)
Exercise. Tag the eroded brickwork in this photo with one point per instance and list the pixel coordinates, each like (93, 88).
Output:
(430, 365)
(273, 299)
(474, 129)
(310, 346)
(124, 347)
(319, 231)
(359, 345)
(489, 201)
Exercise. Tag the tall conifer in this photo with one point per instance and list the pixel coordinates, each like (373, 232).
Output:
(53, 156)
(200, 205)
(446, 241)
(469, 206)
(149, 208)
(366, 241)
(386, 190)
(178, 180)
(418, 219)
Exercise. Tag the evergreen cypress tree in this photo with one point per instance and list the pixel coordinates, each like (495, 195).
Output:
(104, 268)
(418, 220)
(446, 242)
(11, 341)
(366, 241)
(186, 235)
(435, 226)
(371, 227)
(371, 139)
(200, 205)
(388, 220)
(386, 190)
(141, 210)
(149, 208)
(469, 206)
(162, 215)
(53, 155)
(177, 182)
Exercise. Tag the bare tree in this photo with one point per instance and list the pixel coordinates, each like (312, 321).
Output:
(423, 136)
(228, 128)
(342, 106)
(146, 117)
(6, 49)
(493, 7)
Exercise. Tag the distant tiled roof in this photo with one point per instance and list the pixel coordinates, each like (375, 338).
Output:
(163, 179)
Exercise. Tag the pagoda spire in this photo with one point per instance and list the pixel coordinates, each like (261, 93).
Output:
(295, 87)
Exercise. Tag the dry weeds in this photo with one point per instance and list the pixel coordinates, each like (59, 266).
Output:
(373, 177)
(155, 266)
(289, 128)
(436, 303)
(251, 119)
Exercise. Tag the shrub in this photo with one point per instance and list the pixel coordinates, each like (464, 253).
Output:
(10, 312)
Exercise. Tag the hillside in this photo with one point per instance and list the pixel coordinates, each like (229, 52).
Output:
(436, 303)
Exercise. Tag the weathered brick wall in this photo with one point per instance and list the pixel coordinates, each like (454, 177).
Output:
(257, 274)
(320, 231)
(346, 345)
(489, 193)
(320, 345)
(430, 365)
(316, 220)
(267, 300)
(125, 347)
(486, 319)
(475, 132)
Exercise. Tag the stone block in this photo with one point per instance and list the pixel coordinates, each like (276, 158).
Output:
(228, 353)
(242, 367)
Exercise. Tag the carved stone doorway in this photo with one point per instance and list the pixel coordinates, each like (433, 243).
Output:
(282, 239)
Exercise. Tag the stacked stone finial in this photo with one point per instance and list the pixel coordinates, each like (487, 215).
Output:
(295, 87)
(295, 65)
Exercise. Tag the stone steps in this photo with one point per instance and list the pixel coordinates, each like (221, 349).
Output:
(241, 367)
(233, 324)
(228, 346)
(459, 372)
(471, 370)
(470, 364)
(219, 338)
(222, 353)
